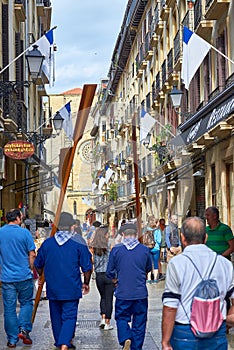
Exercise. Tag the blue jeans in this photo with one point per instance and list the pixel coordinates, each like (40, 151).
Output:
(134, 311)
(23, 292)
(63, 315)
(183, 338)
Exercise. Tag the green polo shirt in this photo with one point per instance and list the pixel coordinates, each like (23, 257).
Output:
(218, 237)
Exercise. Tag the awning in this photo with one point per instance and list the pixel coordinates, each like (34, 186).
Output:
(217, 110)
(176, 174)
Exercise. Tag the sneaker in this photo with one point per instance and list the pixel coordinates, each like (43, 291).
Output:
(108, 327)
(127, 344)
(148, 281)
(10, 345)
(24, 335)
(102, 323)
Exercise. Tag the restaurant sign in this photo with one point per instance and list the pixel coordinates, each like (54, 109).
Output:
(205, 123)
(19, 149)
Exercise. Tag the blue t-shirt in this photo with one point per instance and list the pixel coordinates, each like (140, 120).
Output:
(130, 268)
(62, 265)
(15, 244)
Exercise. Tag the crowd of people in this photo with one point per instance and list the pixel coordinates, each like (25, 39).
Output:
(122, 267)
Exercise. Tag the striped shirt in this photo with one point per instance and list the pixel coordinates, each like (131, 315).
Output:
(218, 237)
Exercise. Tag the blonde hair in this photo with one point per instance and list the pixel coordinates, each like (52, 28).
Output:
(153, 218)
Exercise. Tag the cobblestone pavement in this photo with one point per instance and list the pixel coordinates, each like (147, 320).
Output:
(88, 335)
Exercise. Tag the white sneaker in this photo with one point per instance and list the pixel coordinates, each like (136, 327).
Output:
(108, 327)
(127, 344)
(102, 323)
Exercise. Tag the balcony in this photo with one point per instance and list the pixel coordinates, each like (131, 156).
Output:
(41, 90)
(143, 65)
(159, 28)
(46, 19)
(221, 130)
(154, 39)
(148, 49)
(165, 11)
(165, 85)
(177, 52)
(40, 8)
(20, 10)
(215, 9)
(202, 27)
(158, 24)
(156, 90)
(170, 3)
(205, 140)
(140, 73)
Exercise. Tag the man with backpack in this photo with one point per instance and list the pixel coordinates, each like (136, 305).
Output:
(193, 277)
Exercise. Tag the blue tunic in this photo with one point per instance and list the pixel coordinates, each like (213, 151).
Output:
(62, 265)
(130, 268)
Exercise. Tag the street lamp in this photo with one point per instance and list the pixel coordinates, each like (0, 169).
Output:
(35, 60)
(58, 122)
(123, 165)
(176, 96)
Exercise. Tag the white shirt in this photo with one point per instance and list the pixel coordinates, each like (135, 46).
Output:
(182, 278)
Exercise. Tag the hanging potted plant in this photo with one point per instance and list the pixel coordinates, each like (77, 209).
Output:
(112, 192)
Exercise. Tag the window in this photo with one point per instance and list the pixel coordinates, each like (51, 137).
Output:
(213, 185)
(74, 208)
(221, 62)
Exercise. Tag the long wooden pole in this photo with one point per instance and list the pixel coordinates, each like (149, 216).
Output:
(136, 177)
(81, 120)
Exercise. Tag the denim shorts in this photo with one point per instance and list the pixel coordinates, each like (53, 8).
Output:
(183, 339)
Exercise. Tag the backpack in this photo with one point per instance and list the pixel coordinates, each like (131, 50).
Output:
(148, 239)
(206, 317)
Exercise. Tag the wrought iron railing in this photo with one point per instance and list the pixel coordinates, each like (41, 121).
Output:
(197, 13)
(177, 48)
(164, 72)
(170, 62)
(21, 2)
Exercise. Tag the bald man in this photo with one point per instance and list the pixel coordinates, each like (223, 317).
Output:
(181, 281)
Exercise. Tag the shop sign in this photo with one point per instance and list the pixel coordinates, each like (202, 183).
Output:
(19, 149)
(206, 123)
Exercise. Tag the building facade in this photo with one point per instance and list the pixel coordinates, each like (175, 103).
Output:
(21, 105)
(185, 161)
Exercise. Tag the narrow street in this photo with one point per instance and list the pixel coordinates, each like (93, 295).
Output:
(88, 335)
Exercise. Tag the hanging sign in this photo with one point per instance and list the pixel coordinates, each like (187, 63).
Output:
(19, 149)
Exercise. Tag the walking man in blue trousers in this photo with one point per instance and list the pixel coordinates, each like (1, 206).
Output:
(128, 265)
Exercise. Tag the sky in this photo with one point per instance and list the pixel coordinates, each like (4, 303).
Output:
(86, 34)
